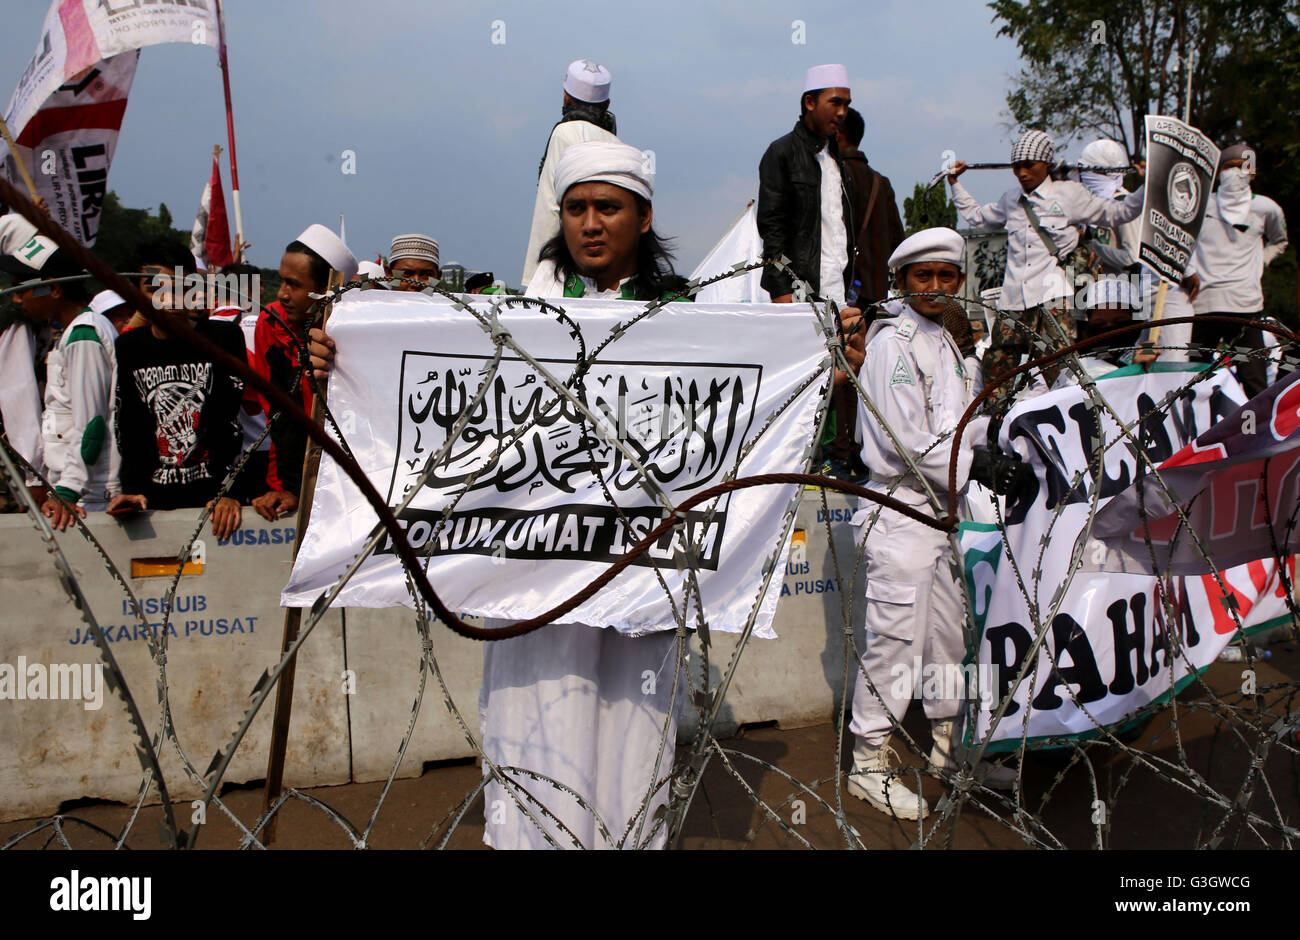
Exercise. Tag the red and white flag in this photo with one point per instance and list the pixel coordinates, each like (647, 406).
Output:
(210, 238)
(67, 110)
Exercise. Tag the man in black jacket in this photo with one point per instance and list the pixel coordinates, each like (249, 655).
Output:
(804, 209)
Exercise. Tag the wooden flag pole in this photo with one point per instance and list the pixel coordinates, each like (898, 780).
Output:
(1146, 353)
(293, 617)
(22, 167)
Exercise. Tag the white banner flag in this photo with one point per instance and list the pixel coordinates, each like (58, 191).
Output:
(1109, 636)
(68, 107)
(741, 245)
(693, 392)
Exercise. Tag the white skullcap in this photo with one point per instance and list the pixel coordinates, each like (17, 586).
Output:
(931, 244)
(330, 247)
(417, 247)
(15, 233)
(370, 269)
(1033, 145)
(105, 301)
(605, 161)
(1110, 292)
(825, 76)
(587, 81)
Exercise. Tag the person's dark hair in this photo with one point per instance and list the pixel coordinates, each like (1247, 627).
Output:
(318, 266)
(654, 259)
(482, 279)
(803, 101)
(167, 252)
(60, 265)
(854, 127)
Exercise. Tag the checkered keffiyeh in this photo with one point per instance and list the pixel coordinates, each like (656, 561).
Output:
(1033, 145)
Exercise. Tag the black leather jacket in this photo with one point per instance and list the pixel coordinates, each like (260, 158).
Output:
(789, 208)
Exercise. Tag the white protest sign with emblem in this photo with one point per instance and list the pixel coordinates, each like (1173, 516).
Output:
(1181, 165)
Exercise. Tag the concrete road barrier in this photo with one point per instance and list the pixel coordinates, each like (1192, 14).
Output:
(358, 674)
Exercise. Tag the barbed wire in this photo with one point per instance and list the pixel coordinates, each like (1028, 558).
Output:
(1259, 725)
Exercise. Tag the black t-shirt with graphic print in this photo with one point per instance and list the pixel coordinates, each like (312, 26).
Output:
(176, 415)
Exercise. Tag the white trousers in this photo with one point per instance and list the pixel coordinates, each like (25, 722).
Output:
(914, 615)
(586, 706)
(1176, 334)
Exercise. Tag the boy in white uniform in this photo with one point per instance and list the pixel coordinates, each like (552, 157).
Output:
(915, 377)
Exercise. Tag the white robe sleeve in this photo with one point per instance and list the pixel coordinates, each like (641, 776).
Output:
(1085, 207)
(1275, 237)
(988, 218)
(90, 388)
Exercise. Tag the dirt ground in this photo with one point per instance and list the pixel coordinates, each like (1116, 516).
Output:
(1145, 807)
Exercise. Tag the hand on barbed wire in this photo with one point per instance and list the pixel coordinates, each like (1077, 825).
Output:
(322, 349)
(1145, 355)
(274, 504)
(854, 337)
(60, 513)
(225, 516)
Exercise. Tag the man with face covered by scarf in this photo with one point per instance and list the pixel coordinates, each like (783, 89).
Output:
(1113, 251)
(1242, 233)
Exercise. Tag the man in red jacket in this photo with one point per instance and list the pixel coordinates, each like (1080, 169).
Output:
(304, 270)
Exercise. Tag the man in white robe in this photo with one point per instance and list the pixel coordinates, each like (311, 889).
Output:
(586, 116)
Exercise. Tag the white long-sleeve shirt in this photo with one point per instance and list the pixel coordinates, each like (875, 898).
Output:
(1231, 262)
(915, 377)
(77, 439)
(546, 211)
(834, 233)
(1060, 205)
(20, 397)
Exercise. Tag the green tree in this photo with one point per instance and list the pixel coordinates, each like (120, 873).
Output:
(1096, 67)
(928, 209)
(123, 232)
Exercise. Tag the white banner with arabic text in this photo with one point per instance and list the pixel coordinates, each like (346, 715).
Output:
(686, 392)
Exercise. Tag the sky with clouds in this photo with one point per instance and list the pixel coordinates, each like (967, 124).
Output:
(448, 127)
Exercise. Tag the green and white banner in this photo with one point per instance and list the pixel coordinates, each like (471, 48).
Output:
(1110, 637)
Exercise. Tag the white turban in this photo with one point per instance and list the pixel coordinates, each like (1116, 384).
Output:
(605, 161)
